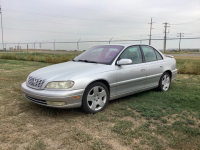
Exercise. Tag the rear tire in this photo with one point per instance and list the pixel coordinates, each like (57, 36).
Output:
(164, 82)
(95, 98)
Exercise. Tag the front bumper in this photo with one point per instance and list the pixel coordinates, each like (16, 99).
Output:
(41, 96)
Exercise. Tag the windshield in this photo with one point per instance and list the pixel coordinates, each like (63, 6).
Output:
(100, 54)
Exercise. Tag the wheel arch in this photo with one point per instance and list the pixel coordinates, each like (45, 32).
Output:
(102, 81)
(170, 73)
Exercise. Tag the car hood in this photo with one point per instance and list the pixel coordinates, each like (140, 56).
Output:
(64, 71)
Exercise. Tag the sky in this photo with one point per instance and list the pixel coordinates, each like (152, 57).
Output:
(29, 21)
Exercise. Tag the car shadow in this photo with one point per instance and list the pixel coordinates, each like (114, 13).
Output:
(40, 110)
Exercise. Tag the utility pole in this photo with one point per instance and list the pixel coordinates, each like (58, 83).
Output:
(180, 35)
(54, 48)
(165, 37)
(2, 28)
(150, 31)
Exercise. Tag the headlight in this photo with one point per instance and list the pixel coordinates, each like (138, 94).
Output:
(60, 85)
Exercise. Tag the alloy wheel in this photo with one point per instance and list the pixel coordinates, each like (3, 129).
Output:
(96, 98)
(165, 82)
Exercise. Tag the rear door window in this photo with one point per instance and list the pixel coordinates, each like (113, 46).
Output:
(149, 53)
(159, 57)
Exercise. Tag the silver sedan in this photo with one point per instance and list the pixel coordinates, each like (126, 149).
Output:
(100, 74)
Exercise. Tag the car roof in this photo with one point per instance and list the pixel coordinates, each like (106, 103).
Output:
(125, 45)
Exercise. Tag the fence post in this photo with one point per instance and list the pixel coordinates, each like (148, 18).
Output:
(40, 46)
(78, 45)
(110, 40)
(34, 47)
(54, 48)
(5, 47)
(18, 48)
(27, 49)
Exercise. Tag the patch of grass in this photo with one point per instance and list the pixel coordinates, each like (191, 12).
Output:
(99, 145)
(180, 52)
(188, 66)
(119, 110)
(185, 65)
(101, 117)
(190, 122)
(80, 136)
(181, 126)
(156, 105)
(148, 120)
(164, 120)
(122, 127)
(38, 145)
(40, 57)
(3, 139)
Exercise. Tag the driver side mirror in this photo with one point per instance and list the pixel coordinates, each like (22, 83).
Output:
(124, 62)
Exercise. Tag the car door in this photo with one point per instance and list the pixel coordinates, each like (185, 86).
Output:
(131, 77)
(154, 66)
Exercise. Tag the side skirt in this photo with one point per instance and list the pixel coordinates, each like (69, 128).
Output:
(132, 92)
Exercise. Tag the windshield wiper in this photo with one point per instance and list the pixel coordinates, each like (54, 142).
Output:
(89, 61)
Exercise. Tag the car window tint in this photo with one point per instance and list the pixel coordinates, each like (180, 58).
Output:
(111, 52)
(101, 54)
(132, 53)
(159, 57)
(149, 53)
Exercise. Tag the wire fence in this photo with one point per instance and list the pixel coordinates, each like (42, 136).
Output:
(56, 47)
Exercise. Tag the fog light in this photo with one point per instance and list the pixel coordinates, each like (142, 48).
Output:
(55, 103)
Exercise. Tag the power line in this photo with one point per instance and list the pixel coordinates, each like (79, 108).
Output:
(186, 22)
(52, 31)
(82, 8)
(68, 24)
(98, 11)
(160, 39)
(157, 24)
(194, 32)
(64, 16)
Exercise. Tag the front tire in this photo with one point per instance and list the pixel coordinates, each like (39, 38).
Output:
(164, 82)
(95, 98)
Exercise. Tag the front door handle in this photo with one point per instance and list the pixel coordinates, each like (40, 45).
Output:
(143, 70)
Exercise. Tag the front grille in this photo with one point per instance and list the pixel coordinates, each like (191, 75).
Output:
(38, 101)
(35, 83)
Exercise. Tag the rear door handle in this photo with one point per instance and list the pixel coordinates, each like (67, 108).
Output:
(161, 66)
(143, 70)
